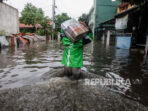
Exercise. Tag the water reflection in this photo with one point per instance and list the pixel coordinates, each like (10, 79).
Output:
(25, 65)
(122, 64)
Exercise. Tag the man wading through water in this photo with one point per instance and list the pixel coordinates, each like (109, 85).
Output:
(73, 55)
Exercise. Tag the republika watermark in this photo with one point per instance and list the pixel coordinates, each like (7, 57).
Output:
(107, 82)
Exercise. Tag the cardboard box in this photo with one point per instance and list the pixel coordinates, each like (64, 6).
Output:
(74, 30)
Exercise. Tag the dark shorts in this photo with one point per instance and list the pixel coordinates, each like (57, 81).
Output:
(72, 72)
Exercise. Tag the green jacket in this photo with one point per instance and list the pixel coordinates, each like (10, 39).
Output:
(73, 52)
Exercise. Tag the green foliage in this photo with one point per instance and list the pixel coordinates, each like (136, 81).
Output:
(55, 34)
(47, 28)
(40, 32)
(2, 32)
(83, 18)
(27, 30)
(31, 15)
(61, 18)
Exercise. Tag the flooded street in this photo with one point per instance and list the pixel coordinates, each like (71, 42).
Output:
(25, 66)
(122, 64)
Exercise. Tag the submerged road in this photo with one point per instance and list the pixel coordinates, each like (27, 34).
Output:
(23, 67)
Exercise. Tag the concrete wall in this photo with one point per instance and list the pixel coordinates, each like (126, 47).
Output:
(101, 11)
(9, 20)
(91, 18)
(105, 10)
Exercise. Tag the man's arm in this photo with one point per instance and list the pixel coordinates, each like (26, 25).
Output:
(65, 40)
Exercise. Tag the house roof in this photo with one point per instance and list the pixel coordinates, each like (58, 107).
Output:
(21, 25)
(126, 12)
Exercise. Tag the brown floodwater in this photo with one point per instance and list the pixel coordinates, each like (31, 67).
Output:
(26, 65)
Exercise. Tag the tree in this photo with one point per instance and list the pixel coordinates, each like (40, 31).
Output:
(61, 18)
(83, 18)
(47, 28)
(31, 15)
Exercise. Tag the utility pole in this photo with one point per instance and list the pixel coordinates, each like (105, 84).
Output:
(53, 17)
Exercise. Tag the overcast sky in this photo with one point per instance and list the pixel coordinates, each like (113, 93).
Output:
(74, 8)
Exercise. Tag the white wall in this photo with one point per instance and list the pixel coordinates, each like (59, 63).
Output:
(9, 20)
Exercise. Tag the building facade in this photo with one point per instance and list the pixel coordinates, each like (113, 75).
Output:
(102, 11)
(9, 20)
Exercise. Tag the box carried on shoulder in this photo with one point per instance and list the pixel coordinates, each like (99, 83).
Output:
(74, 30)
